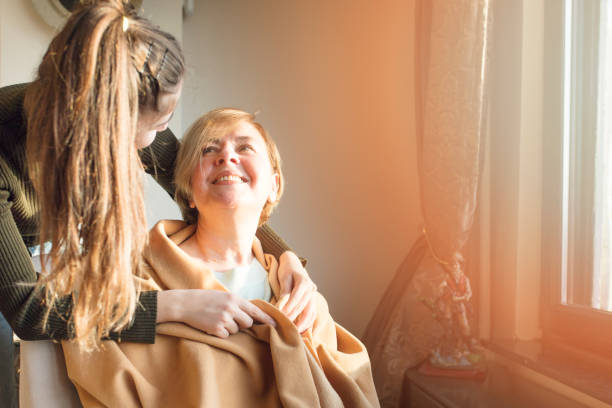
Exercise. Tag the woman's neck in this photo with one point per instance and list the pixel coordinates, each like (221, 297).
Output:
(224, 241)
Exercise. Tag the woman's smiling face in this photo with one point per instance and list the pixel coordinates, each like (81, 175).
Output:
(234, 172)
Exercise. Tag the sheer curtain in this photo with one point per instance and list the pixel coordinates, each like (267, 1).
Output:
(602, 267)
(451, 42)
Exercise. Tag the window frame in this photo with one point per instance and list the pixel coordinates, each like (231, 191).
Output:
(581, 327)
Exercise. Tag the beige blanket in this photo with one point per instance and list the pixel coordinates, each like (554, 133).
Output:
(260, 367)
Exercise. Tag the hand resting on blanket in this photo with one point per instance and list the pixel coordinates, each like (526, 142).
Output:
(212, 311)
(222, 313)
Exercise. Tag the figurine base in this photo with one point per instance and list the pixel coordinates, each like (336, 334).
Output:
(477, 373)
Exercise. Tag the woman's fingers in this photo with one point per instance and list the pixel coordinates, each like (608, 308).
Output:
(286, 284)
(243, 319)
(295, 294)
(306, 319)
(241, 314)
(301, 295)
(219, 332)
(297, 290)
(296, 304)
(231, 326)
(214, 312)
(256, 313)
(289, 266)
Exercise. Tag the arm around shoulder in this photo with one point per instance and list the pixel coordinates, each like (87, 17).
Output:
(159, 159)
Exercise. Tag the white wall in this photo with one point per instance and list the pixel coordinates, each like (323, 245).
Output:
(169, 16)
(24, 38)
(334, 84)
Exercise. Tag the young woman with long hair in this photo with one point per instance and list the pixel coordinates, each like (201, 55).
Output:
(107, 85)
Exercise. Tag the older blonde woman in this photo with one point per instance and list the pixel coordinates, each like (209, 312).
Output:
(228, 180)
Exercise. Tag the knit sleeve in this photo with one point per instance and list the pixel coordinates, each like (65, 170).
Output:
(19, 305)
(272, 243)
(159, 159)
(23, 306)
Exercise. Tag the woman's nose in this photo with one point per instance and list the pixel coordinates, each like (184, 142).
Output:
(227, 155)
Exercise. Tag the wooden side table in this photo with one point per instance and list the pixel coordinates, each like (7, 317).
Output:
(500, 389)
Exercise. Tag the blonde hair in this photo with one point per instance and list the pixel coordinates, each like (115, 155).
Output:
(82, 113)
(216, 124)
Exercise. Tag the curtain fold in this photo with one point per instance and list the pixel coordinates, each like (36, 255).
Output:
(450, 67)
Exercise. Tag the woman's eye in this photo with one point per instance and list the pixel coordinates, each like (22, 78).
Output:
(208, 149)
(245, 148)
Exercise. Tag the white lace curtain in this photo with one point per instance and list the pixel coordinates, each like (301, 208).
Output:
(451, 42)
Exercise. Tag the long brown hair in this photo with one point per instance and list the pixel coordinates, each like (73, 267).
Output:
(82, 112)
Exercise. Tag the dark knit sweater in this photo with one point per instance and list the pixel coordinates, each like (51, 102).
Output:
(19, 207)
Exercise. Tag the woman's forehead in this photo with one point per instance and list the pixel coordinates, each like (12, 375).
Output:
(239, 132)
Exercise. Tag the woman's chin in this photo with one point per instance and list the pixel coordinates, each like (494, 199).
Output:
(145, 139)
(228, 201)
(236, 202)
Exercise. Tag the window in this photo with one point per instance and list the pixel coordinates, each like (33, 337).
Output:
(577, 176)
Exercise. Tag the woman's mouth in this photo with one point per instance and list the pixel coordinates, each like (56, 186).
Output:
(229, 179)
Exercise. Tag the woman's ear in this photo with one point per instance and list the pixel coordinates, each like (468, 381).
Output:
(191, 204)
(272, 197)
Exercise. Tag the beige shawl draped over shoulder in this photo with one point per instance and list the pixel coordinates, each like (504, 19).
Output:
(260, 367)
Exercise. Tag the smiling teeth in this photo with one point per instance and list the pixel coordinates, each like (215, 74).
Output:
(230, 178)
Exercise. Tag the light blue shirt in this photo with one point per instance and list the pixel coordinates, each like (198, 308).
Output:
(249, 282)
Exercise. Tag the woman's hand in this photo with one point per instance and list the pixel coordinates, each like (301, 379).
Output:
(297, 292)
(212, 311)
